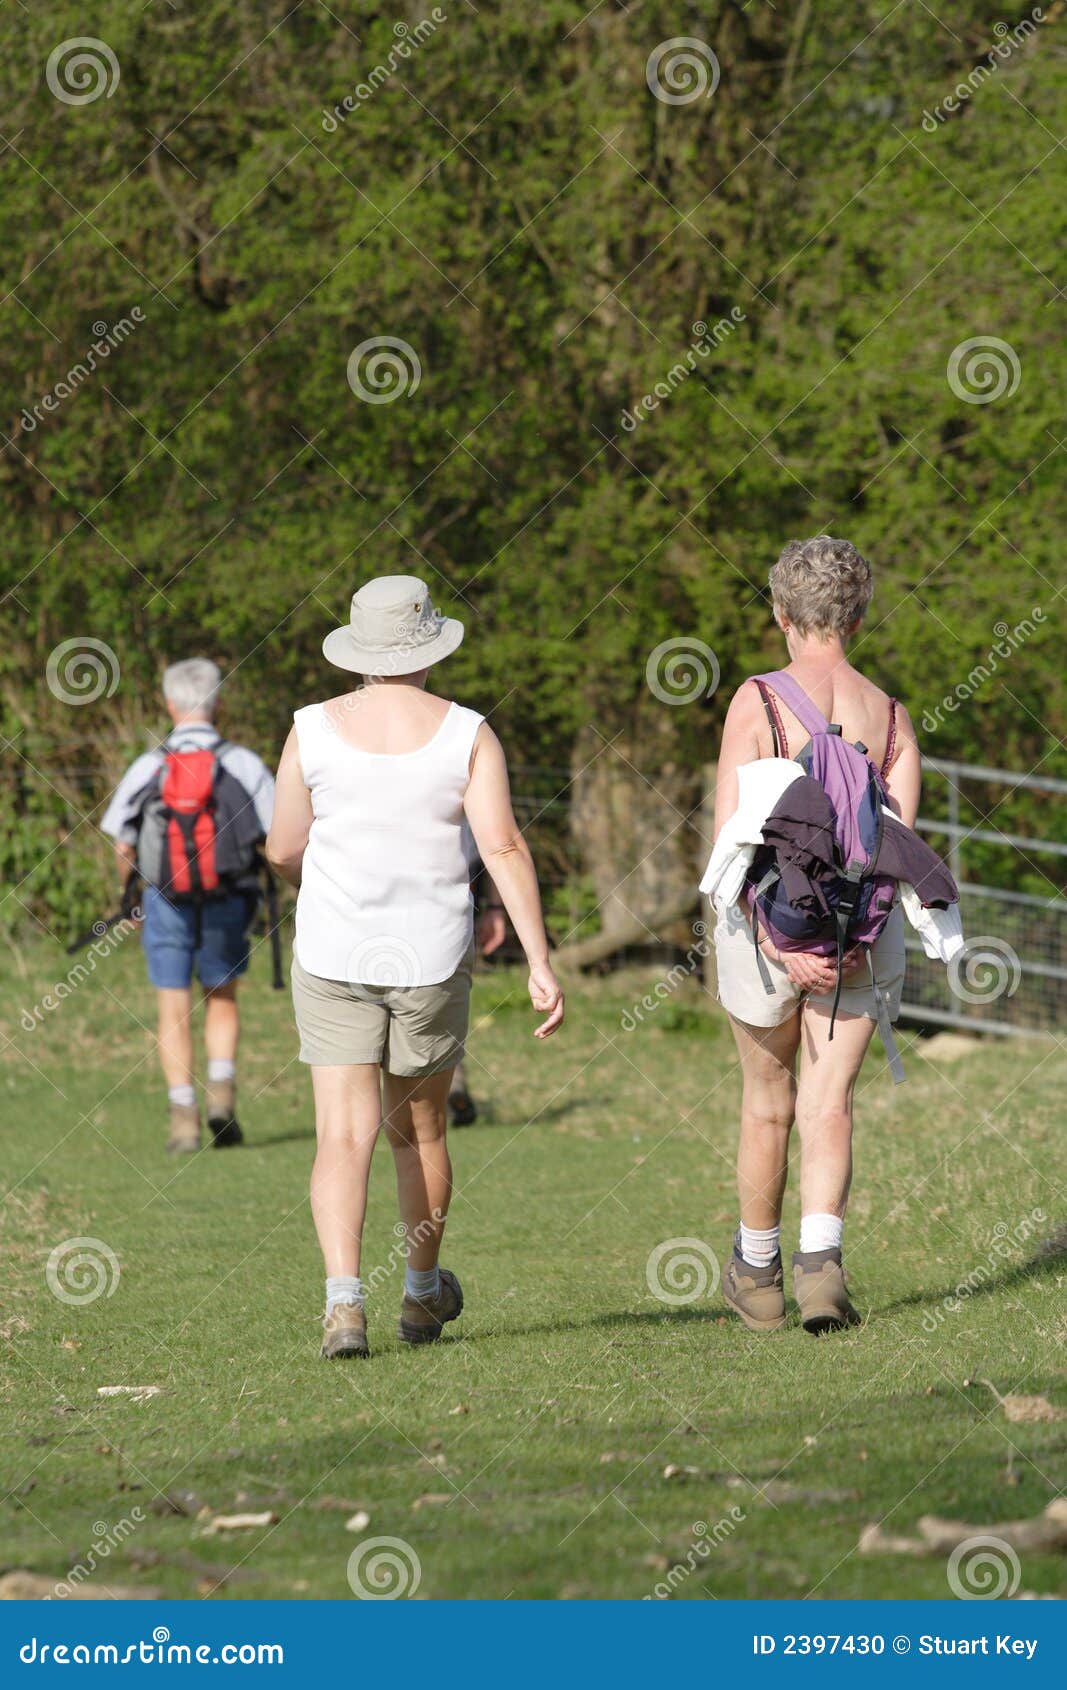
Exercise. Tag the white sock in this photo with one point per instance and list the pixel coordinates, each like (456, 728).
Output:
(422, 1282)
(221, 1068)
(344, 1288)
(821, 1232)
(759, 1249)
(182, 1094)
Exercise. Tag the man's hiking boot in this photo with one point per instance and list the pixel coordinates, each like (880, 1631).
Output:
(820, 1290)
(184, 1128)
(344, 1332)
(221, 1096)
(421, 1318)
(462, 1108)
(755, 1293)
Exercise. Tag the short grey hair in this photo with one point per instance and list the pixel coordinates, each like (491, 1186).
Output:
(822, 585)
(193, 686)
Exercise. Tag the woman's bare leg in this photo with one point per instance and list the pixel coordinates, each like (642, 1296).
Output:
(828, 1072)
(414, 1114)
(347, 1119)
(768, 1099)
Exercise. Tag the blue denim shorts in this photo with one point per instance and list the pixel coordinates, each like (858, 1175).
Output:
(173, 948)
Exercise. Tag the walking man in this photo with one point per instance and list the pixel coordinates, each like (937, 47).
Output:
(188, 818)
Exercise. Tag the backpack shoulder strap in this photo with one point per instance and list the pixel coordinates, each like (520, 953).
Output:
(794, 697)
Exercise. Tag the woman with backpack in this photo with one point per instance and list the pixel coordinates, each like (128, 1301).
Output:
(379, 792)
(802, 1020)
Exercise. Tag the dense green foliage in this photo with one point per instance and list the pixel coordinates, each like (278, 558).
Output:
(515, 203)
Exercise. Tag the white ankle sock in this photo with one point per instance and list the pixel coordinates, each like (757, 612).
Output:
(344, 1288)
(221, 1068)
(759, 1249)
(821, 1232)
(422, 1282)
(183, 1095)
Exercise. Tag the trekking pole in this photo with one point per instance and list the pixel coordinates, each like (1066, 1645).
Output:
(271, 887)
(127, 911)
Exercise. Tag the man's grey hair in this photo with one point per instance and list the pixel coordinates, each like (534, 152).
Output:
(193, 686)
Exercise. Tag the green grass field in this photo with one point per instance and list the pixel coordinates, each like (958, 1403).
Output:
(572, 1436)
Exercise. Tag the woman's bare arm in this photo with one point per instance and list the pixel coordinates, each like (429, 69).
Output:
(507, 859)
(904, 779)
(291, 823)
(740, 744)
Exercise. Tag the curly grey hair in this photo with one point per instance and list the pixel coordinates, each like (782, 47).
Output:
(822, 585)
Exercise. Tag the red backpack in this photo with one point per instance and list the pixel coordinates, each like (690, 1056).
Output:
(199, 832)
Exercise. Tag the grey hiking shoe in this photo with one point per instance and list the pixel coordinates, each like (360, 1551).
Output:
(344, 1331)
(755, 1293)
(821, 1292)
(184, 1128)
(421, 1318)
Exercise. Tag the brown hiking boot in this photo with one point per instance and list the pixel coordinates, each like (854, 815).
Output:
(820, 1290)
(344, 1332)
(221, 1098)
(755, 1293)
(421, 1319)
(184, 1128)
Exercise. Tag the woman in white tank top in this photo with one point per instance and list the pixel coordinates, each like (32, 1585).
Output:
(383, 796)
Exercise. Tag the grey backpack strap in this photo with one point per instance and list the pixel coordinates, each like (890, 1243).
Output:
(761, 962)
(885, 1028)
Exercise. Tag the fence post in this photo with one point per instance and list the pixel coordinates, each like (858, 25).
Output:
(955, 854)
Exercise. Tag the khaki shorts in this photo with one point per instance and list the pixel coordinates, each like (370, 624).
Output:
(410, 1030)
(743, 995)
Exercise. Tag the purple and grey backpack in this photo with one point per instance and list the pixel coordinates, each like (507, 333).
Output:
(852, 901)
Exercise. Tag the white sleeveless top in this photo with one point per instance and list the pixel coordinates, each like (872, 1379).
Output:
(384, 894)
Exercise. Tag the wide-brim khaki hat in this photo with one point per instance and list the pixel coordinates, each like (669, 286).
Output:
(393, 629)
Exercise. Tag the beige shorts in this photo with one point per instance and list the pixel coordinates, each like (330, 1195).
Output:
(410, 1030)
(743, 995)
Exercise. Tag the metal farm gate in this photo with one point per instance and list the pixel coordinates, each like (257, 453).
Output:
(1012, 975)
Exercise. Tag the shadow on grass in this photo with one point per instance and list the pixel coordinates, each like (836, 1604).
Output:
(1010, 1279)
